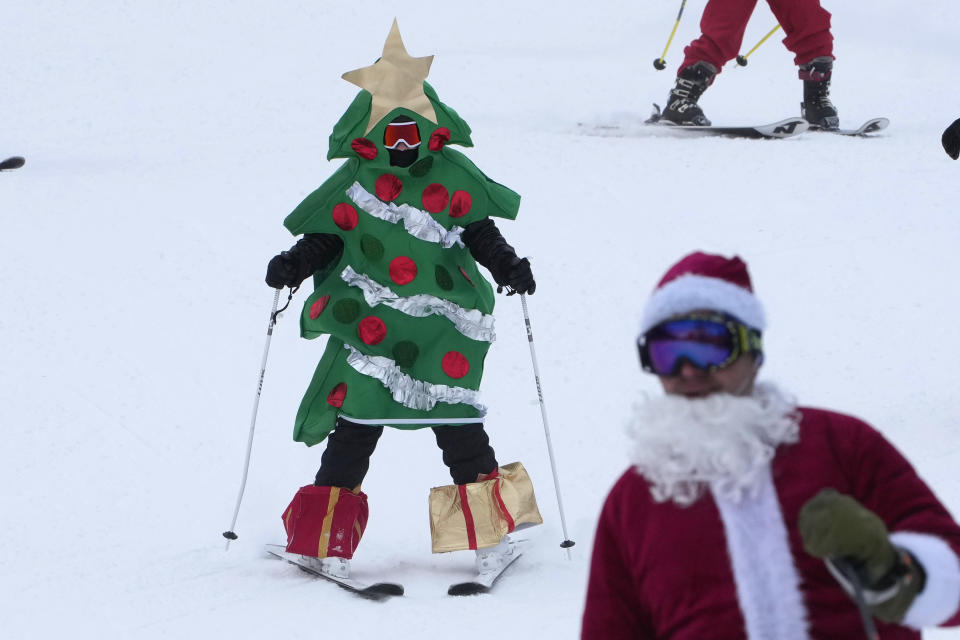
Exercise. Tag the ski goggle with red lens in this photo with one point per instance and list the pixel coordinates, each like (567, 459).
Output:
(405, 132)
(706, 341)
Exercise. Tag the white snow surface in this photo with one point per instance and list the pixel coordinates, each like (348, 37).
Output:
(166, 142)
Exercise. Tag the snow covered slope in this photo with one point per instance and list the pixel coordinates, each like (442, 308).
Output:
(166, 141)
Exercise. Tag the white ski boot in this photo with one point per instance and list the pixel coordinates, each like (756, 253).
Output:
(336, 567)
(491, 563)
(492, 560)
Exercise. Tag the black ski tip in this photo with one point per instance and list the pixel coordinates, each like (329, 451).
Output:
(870, 126)
(467, 589)
(377, 592)
(951, 139)
(14, 162)
(386, 589)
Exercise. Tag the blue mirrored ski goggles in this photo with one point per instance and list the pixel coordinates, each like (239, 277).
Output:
(706, 341)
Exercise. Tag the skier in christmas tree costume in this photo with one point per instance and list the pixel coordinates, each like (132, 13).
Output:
(723, 24)
(392, 240)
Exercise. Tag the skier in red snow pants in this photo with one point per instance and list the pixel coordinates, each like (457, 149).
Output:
(808, 36)
(805, 22)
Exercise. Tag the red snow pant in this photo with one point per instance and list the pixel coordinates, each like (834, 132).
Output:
(724, 22)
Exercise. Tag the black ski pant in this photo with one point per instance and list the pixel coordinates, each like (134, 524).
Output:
(466, 451)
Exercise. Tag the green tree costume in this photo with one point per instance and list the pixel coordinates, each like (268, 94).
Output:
(406, 309)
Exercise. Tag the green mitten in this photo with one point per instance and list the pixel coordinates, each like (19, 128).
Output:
(834, 526)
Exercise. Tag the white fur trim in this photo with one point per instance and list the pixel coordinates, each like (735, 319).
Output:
(768, 586)
(691, 292)
(941, 594)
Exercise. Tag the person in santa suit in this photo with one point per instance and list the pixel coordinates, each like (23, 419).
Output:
(739, 506)
(723, 24)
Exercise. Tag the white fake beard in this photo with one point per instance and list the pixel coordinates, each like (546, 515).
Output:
(683, 445)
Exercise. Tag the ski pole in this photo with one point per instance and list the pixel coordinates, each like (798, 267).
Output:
(742, 60)
(660, 63)
(229, 534)
(567, 542)
(847, 571)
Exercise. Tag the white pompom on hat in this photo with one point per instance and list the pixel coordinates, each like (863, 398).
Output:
(705, 282)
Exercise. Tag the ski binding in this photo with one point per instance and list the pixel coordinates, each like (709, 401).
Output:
(372, 591)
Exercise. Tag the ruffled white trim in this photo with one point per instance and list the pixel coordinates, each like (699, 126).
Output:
(768, 585)
(410, 392)
(691, 292)
(472, 323)
(417, 223)
(941, 594)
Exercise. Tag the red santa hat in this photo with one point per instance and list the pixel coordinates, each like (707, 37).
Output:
(703, 281)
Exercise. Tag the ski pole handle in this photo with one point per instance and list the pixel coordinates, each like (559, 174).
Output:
(849, 573)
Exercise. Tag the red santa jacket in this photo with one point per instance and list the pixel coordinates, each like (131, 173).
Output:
(732, 572)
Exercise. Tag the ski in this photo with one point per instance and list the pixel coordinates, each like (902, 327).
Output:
(14, 162)
(482, 583)
(870, 126)
(782, 129)
(374, 591)
(632, 127)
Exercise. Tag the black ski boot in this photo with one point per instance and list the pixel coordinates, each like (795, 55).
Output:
(682, 105)
(816, 107)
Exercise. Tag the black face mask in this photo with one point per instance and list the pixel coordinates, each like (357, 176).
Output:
(403, 158)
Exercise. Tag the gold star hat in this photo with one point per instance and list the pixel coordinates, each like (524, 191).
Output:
(394, 85)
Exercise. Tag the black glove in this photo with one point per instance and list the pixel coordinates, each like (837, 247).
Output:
(312, 252)
(515, 274)
(839, 529)
(489, 248)
(951, 139)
